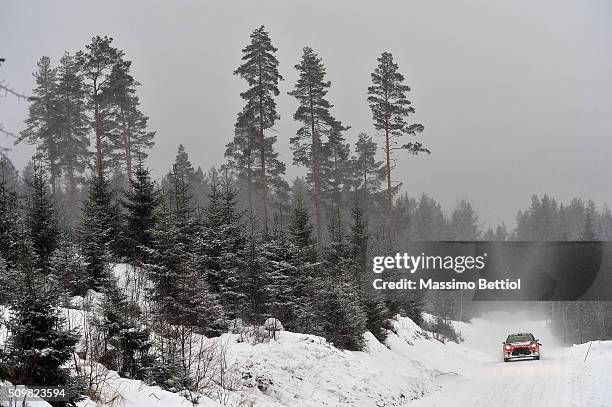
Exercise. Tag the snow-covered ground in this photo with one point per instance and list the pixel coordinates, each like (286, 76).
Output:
(411, 369)
(561, 378)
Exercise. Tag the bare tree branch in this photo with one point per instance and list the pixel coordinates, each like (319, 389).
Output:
(20, 96)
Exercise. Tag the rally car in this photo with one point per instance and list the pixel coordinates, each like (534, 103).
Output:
(521, 345)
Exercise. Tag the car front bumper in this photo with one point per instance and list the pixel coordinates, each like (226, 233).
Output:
(521, 353)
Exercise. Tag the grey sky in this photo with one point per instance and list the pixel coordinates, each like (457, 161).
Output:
(514, 95)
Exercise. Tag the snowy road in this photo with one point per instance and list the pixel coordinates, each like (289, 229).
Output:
(560, 378)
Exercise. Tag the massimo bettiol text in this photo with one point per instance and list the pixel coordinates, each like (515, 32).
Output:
(495, 271)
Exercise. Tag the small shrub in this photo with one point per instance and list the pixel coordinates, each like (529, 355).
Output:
(442, 330)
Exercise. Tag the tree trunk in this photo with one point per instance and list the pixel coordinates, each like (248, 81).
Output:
(98, 129)
(262, 151)
(316, 173)
(390, 223)
(127, 146)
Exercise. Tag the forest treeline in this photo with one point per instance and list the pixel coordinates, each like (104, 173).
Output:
(224, 249)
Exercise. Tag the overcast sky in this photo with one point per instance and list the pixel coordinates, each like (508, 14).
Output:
(515, 96)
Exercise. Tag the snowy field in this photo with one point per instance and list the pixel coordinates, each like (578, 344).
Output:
(412, 369)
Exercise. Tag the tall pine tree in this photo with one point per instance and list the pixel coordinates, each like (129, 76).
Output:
(314, 114)
(260, 70)
(96, 64)
(74, 126)
(390, 108)
(42, 123)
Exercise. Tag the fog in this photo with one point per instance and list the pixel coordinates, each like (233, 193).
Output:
(514, 96)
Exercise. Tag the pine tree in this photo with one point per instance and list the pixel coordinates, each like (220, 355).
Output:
(42, 123)
(96, 65)
(41, 219)
(38, 347)
(140, 204)
(260, 70)
(313, 112)
(129, 134)
(390, 108)
(74, 126)
(98, 231)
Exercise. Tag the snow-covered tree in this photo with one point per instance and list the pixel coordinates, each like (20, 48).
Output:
(223, 245)
(98, 231)
(140, 204)
(38, 346)
(41, 219)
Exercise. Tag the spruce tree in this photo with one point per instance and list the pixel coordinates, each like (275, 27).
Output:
(279, 271)
(369, 173)
(260, 70)
(390, 108)
(125, 338)
(41, 219)
(98, 231)
(306, 266)
(588, 232)
(181, 294)
(463, 224)
(38, 346)
(336, 168)
(223, 245)
(70, 268)
(140, 204)
(9, 216)
(376, 312)
(240, 153)
(340, 315)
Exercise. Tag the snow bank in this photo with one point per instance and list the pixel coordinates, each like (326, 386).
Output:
(118, 391)
(305, 370)
(592, 378)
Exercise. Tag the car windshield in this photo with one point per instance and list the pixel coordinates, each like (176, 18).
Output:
(520, 338)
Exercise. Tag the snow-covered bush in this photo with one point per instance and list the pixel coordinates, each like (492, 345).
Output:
(442, 330)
